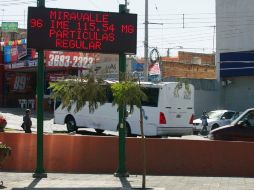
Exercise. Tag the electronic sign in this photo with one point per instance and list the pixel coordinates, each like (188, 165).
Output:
(76, 30)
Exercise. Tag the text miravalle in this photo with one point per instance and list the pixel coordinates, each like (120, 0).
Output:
(80, 30)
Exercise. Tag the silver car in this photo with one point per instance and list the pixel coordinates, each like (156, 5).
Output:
(216, 118)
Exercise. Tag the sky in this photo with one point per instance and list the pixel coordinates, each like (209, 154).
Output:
(174, 25)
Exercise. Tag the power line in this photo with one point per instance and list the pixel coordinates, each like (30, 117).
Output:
(10, 3)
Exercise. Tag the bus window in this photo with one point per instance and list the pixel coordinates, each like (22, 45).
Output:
(152, 95)
(109, 94)
(57, 103)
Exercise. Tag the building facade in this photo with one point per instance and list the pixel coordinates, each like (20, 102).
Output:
(189, 65)
(235, 53)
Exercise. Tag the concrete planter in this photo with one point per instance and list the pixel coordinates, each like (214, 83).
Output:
(96, 154)
(4, 152)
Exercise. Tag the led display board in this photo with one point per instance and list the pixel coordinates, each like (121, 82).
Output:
(76, 30)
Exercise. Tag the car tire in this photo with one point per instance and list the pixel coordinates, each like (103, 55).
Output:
(214, 126)
(71, 124)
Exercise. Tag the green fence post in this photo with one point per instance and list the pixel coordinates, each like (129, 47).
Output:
(40, 172)
(121, 171)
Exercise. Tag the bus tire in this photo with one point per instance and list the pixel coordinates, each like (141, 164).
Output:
(127, 131)
(99, 131)
(71, 124)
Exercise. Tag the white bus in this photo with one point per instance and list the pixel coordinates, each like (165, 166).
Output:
(166, 112)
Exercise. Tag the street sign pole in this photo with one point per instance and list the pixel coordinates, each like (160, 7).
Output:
(40, 172)
(121, 171)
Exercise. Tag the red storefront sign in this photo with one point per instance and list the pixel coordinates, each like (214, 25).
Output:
(19, 82)
(53, 77)
(79, 60)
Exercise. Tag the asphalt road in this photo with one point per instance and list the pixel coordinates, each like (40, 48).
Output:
(14, 118)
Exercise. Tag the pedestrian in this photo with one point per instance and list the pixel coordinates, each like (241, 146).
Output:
(204, 123)
(27, 123)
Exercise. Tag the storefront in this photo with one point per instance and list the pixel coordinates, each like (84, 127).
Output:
(19, 80)
(18, 74)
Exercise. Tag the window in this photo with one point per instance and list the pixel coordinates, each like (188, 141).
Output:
(248, 119)
(152, 97)
(109, 94)
(228, 115)
(57, 103)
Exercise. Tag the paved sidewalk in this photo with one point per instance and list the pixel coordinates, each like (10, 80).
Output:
(108, 181)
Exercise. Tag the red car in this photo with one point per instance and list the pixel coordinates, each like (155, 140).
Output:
(241, 129)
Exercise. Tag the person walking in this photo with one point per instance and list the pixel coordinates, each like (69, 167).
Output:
(27, 122)
(204, 123)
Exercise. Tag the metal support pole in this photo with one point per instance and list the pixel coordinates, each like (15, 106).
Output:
(121, 171)
(40, 172)
(146, 42)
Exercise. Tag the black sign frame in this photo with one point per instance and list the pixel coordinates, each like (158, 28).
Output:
(78, 30)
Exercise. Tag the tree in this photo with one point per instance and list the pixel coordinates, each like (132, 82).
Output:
(127, 93)
(78, 91)
(81, 91)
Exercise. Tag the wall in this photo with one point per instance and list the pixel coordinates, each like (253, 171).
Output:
(205, 101)
(234, 33)
(238, 95)
(185, 66)
(234, 26)
(187, 57)
(183, 70)
(206, 94)
(91, 154)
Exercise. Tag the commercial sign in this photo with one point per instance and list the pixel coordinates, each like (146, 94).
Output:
(22, 64)
(86, 31)
(69, 59)
(18, 82)
(10, 54)
(234, 64)
(9, 26)
(22, 51)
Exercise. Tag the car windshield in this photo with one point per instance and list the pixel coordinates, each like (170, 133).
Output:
(215, 114)
(235, 116)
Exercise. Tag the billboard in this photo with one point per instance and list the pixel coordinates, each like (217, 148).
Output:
(233, 64)
(57, 59)
(10, 54)
(76, 30)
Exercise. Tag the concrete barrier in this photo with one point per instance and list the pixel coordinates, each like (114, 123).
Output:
(97, 154)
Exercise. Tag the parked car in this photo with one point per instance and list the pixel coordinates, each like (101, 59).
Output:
(3, 122)
(241, 129)
(217, 118)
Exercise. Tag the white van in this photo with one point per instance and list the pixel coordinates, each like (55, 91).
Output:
(166, 112)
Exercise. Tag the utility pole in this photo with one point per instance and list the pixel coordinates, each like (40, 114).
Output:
(40, 172)
(121, 171)
(146, 42)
